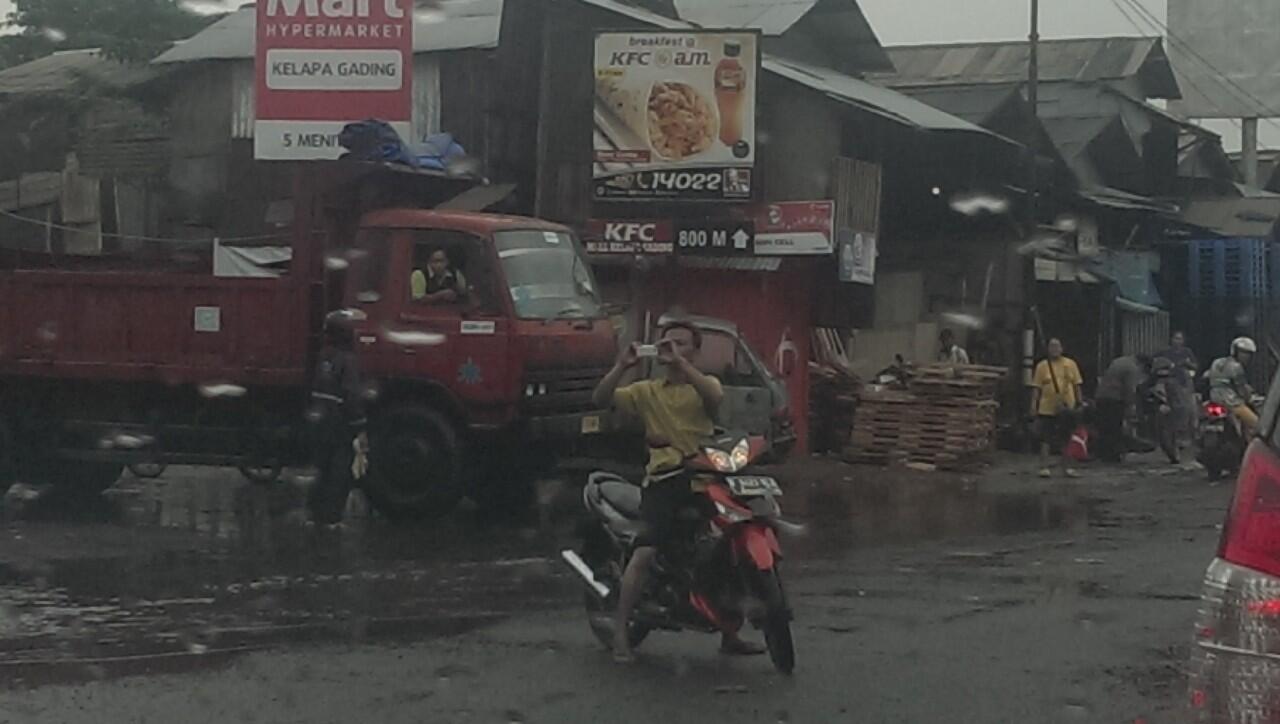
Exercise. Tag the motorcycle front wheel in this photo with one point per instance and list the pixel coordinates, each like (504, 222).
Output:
(776, 623)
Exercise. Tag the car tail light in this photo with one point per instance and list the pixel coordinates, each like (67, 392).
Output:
(1215, 410)
(1251, 536)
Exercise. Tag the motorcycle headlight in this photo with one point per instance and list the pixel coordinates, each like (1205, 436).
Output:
(720, 460)
(740, 456)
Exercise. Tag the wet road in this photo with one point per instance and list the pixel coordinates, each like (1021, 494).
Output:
(918, 598)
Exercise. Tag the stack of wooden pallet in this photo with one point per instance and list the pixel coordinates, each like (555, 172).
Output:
(947, 420)
(833, 392)
(950, 382)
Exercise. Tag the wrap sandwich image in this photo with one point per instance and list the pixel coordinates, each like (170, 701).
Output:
(671, 118)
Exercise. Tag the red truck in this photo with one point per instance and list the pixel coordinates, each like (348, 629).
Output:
(103, 366)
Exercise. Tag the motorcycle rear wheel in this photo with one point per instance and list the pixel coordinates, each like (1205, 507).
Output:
(600, 617)
(777, 621)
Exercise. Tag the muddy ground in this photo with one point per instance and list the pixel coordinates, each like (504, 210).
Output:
(919, 598)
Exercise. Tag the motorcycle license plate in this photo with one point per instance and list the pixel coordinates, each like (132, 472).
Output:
(1215, 427)
(748, 485)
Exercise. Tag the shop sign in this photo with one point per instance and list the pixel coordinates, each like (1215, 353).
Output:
(629, 236)
(674, 115)
(321, 64)
(716, 238)
(795, 228)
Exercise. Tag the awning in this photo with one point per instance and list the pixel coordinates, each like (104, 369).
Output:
(1131, 306)
(1125, 201)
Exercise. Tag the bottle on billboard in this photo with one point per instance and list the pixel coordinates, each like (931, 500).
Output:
(731, 87)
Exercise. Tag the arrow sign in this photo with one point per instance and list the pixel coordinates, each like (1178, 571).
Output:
(715, 237)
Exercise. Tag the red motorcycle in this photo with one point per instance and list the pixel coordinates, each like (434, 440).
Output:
(725, 573)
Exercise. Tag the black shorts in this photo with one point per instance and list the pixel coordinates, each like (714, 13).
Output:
(1055, 430)
(661, 503)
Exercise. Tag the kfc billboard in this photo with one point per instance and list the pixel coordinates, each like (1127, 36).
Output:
(324, 63)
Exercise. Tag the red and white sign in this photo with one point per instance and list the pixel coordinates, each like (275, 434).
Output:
(632, 236)
(795, 227)
(322, 64)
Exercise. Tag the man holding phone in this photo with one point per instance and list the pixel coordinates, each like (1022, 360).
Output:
(677, 412)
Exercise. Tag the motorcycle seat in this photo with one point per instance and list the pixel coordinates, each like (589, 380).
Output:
(624, 497)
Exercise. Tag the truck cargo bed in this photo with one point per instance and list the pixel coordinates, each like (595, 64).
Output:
(161, 327)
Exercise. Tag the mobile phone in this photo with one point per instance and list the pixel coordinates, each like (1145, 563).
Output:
(646, 350)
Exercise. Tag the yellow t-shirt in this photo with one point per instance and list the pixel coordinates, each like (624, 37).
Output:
(1052, 399)
(670, 411)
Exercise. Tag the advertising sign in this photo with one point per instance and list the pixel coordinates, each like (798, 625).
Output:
(675, 115)
(629, 236)
(324, 63)
(795, 227)
(857, 257)
(695, 237)
(716, 238)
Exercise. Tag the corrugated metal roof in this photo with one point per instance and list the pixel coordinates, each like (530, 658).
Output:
(976, 104)
(1237, 218)
(1083, 60)
(771, 17)
(64, 70)
(882, 101)
(459, 25)
(1073, 135)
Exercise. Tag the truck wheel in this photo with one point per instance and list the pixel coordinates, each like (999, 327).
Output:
(415, 464)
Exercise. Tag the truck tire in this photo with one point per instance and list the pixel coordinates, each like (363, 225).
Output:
(415, 464)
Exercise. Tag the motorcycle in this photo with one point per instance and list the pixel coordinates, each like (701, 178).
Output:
(1222, 438)
(724, 574)
(1160, 417)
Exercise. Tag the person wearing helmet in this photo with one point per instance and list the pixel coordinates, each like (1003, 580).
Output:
(1229, 382)
(336, 418)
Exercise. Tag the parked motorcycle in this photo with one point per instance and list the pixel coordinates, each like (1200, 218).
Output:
(1222, 438)
(725, 573)
(1159, 408)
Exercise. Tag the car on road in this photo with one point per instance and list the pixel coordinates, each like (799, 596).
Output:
(1235, 668)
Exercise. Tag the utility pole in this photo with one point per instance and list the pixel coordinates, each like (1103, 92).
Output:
(1249, 150)
(1033, 99)
(1033, 204)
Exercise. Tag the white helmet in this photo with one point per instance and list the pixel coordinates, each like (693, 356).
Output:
(1243, 344)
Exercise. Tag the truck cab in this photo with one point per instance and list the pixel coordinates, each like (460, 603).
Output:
(480, 386)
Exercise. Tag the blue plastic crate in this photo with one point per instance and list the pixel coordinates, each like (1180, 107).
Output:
(1232, 269)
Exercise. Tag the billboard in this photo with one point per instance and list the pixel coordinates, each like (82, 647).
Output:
(324, 63)
(1237, 39)
(675, 115)
(792, 228)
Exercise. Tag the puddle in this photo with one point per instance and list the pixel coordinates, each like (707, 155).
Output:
(193, 569)
(898, 509)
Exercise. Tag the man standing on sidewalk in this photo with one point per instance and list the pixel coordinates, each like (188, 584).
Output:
(1055, 399)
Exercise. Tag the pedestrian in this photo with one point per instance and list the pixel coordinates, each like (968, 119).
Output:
(1182, 398)
(950, 352)
(1117, 399)
(1055, 401)
(337, 422)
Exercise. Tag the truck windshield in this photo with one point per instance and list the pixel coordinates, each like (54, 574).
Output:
(546, 275)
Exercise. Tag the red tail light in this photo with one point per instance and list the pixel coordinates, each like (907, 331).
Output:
(1214, 410)
(1251, 536)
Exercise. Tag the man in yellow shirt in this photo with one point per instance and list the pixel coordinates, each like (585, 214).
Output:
(1055, 399)
(677, 412)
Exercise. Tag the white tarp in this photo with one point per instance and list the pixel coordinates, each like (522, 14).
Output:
(260, 262)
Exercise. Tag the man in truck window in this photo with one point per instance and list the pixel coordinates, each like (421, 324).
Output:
(441, 283)
(677, 412)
